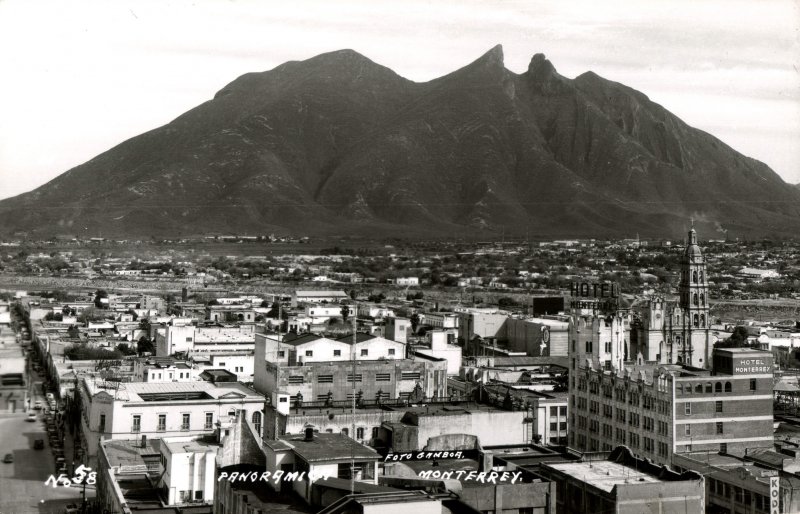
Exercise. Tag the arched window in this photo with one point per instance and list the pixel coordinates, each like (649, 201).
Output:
(688, 386)
(696, 320)
(694, 298)
(701, 276)
(702, 299)
(699, 388)
(702, 320)
(345, 431)
(694, 276)
(708, 387)
(728, 388)
(257, 422)
(718, 387)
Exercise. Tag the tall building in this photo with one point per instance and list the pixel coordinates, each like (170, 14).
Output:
(677, 332)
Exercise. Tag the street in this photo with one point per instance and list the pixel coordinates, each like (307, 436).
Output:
(22, 487)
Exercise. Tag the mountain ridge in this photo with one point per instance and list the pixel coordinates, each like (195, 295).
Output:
(338, 144)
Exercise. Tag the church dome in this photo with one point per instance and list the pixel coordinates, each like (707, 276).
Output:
(693, 249)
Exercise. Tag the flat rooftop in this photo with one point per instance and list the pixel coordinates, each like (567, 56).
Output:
(129, 452)
(604, 474)
(191, 446)
(173, 391)
(326, 446)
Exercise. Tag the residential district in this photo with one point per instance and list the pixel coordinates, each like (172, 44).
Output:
(558, 377)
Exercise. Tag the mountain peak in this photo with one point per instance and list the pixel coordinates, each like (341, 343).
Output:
(540, 66)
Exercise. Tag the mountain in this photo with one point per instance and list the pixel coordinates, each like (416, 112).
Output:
(339, 145)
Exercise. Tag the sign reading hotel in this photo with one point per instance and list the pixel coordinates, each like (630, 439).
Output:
(752, 366)
(594, 296)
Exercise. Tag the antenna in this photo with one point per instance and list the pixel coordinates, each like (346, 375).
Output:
(278, 367)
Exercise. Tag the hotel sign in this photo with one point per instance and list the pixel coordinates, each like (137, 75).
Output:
(752, 366)
(594, 296)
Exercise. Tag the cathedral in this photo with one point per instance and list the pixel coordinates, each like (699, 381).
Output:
(677, 332)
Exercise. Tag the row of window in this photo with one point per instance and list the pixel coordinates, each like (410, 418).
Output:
(739, 495)
(358, 377)
(717, 387)
(186, 418)
(336, 353)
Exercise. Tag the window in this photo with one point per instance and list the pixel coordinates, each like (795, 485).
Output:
(608, 347)
(185, 422)
(410, 375)
(383, 377)
(719, 427)
(687, 429)
(391, 351)
(360, 433)
(209, 420)
(723, 447)
(588, 347)
(324, 379)
(352, 378)
(562, 410)
(374, 432)
(309, 353)
(717, 406)
(337, 353)
(708, 387)
(688, 409)
(102, 427)
(752, 384)
(295, 379)
(189, 339)
(137, 423)
(198, 495)
(257, 422)
(554, 411)
(281, 354)
(221, 364)
(718, 387)
(345, 431)
(162, 423)
(364, 352)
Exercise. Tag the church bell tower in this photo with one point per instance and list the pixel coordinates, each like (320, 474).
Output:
(693, 301)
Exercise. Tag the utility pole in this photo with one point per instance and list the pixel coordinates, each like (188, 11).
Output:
(353, 412)
(278, 369)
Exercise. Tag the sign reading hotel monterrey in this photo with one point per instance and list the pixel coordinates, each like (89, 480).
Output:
(752, 366)
(594, 296)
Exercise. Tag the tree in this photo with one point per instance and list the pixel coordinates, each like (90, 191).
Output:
(414, 322)
(126, 349)
(345, 313)
(144, 345)
(738, 339)
(98, 296)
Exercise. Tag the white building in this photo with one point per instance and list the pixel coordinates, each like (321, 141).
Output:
(115, 410)
(189, 468)
(304, 296)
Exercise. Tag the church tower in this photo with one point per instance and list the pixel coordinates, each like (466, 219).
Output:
(693, 302)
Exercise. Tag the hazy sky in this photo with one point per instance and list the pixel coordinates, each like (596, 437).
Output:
(79, 77)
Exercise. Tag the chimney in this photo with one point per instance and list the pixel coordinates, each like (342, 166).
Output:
(144, 441)
(309, 434)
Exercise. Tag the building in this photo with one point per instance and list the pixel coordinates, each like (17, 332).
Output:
(622, 483)
(537, 337)
(314, 370)
(439, 347)
(662, 410)
(184, 338)
(173, 475)
(303, 296)
(677, 333)
(119, 410)
(317, 455)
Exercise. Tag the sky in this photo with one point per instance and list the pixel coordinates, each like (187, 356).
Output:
(79, 77)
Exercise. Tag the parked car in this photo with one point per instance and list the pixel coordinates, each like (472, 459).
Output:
(31, 416)
(71, 508)
(38, 404)
(38, 444)
(9, 458)
(50, 397)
